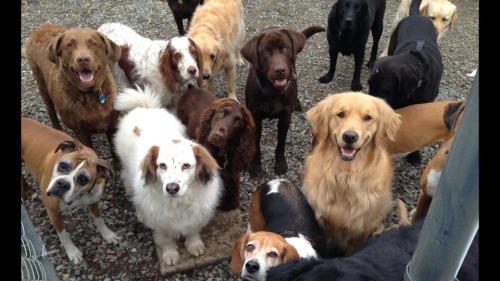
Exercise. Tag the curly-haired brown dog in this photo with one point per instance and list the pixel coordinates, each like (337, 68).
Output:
(348, 174)
(227, 130)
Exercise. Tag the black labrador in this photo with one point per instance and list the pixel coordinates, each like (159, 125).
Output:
(411, 73)
(349, 24)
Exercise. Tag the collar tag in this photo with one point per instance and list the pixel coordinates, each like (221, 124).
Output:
(102, 96)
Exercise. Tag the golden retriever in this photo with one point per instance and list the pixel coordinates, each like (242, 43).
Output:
(443, 14)
(218, 29)
(348, 173)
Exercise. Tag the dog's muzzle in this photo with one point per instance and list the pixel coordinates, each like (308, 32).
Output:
(59, 188)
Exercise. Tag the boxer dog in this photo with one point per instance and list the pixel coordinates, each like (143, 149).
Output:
(70, 175)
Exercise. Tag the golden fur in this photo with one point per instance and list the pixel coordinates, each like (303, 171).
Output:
(218, 29)
(348, 174)
(443, 14)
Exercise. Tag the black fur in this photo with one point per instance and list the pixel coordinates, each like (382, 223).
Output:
(349, 24)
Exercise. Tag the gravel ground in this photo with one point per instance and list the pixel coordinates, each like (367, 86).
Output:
(135, 259)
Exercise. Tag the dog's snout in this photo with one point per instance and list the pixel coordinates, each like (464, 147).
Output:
(252, 266)
(172, 188)
(350, 137)
(59, 188)
(83, 59)
(206, 76)
(279, 70)
(219, 135)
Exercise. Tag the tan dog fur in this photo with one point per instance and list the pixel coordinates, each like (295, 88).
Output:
(422, 125)
(350, 197)
(443, 14)
(218, 29)
(57, 56)
(269, 247)
(431, 175)
(43, 149)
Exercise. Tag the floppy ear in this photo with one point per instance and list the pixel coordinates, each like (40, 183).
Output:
(291, 253)
(249, 50)
(105, 170)
(167, 71)
(54, 49)
(113, 51)
(199, 63)
(69, 146)
(453, 17)
(206, 166)
(205, 126)
(318, 118)
(149, 165)
(298, 41)
(237, 254)
(389, 122)
(423, 9)
(451, 113)
(246, 149)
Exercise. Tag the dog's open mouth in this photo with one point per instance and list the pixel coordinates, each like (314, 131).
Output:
(347, 153)
(280, 83)
(87, 77)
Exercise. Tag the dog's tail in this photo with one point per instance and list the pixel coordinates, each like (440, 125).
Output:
(415, 7)
(402, 212)
(130, 98)
(310, 31)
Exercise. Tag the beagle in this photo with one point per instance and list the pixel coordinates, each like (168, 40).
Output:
(282, 228)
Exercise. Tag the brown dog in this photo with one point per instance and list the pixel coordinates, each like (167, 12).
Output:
(424, 124)
(72, 71)
(183, 9)
(70, 175)
(432, 173)
(226, 129)
(271, 88)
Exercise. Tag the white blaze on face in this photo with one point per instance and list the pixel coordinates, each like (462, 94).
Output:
(183, 55)
(70, 194)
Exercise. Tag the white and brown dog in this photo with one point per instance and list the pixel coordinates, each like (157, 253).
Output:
(70, 175)
(167, 67)
(282, 228)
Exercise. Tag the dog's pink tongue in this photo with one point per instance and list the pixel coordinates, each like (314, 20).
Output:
(86, 76)
(348, 152)
(280, 82)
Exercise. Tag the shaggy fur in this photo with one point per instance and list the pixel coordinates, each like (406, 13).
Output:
(348, 174)
(167, 67)
(227, 129)
(218, 29)
(173, 182)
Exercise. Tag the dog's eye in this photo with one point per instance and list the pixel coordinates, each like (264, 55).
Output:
(186, 166)
(238, 123)
(178, 56)
(285, 49)
(212, 58)
(221, 114)
(69, 45)
(272, 254)
(341, 115)
(367, 118)
(93, 44)
(193, 53)
(162, 166)
(82, 180)
(250, 248)
(63, 167)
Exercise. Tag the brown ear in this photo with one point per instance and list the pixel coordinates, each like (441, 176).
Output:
(318, 118)
(451, 113)
(206, 166)
(453, 18)
(298, 40)
(291, 253)
(246, 149)
(105, 170)
(389, 122)
(149, 164)
(237, 254)
(54, 49)
(249, 50)
(199, 63)
(69, 146)
(113, 51)
(166, 70)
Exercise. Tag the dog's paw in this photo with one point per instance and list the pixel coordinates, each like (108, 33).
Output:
(196, 248)
(325, 79)
(170, 256)
(280, 167)
(356, 86)
(255, 170)
(74, 254)
(112, 238)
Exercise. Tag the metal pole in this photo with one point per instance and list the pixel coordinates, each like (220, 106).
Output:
(453, 217)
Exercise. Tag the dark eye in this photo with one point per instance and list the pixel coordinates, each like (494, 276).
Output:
(82, 180)
(69, 45)
(162, 166)
(186, 166)
(272, 254)
(285, 49)
(367, 118)
(193, 53)
(341, 115)
(238, 123)
(63, 167)
(178, 56)
(93, 44)
(221, 114)
(250, 248)
(212, 58)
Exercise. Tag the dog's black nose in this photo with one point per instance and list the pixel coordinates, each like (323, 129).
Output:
(252, 266)
(59, 188)
(350, 137)
(206, 76)
(172, 188)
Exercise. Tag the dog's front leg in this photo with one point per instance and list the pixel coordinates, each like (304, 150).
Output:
(333, 53)
(359, 56)
(106, 233)
(168, 246)
(280, 166)
(194, 245)
(255, 167)
(231, 80)
(74, 254)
